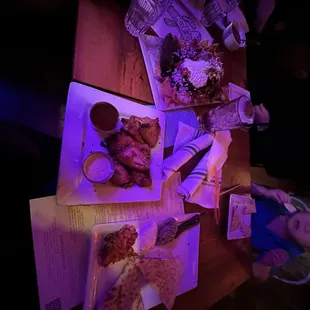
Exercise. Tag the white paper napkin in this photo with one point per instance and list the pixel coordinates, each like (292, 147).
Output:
(218, 153)
(189, 142)
(202, 186)
(235, 91)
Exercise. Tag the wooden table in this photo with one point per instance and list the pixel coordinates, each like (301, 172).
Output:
(107, 57)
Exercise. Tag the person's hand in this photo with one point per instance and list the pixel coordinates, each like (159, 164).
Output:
(278, 195)
(260, 271)
(261, 115)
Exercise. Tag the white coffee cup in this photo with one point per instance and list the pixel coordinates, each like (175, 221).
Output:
(232, 42)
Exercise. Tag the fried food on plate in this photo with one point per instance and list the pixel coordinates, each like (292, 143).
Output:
(141, 178)
(144, 148)
(118, 142)
(125, 293)
(142, 129)
(150, 130)
(133, 158)
(164, 276)
(132, 127)
(121, 176)
(131, 148)
(118, 246)
(128, 152)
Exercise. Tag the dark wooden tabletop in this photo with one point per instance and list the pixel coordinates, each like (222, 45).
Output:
(108, 57)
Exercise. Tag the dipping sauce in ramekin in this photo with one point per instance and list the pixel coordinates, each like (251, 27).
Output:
(104, 117)
(98, 167)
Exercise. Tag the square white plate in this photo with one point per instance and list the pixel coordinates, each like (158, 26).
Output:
(100, 280)
(245, 218)
(80, 139)
(150, 47)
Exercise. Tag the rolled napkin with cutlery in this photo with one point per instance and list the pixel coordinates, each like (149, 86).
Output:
(202, 186)
(189, 142)
(195, 179)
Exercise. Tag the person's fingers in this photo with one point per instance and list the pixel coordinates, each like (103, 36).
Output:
(285, 198)
(278, 197)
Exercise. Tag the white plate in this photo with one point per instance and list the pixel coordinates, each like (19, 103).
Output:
(150, 47)
(79, 139)
(245, 218)
(100, 280)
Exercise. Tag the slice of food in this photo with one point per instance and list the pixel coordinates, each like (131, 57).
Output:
(164, 276)
(125, 293)
(141, 178)
(150, 130)
(167, 231)
(118, 246)
(235, 222)
(121, 176)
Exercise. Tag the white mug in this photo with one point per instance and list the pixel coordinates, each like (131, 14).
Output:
(229, 38)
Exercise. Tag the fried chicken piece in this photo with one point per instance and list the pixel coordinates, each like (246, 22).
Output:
(144, 148)
(141, 178)
(118, 142)
(133, 158)
(149, 130)
(128, 152)
(118, 246)
(142, 129)
(132, 127)
(121, 176)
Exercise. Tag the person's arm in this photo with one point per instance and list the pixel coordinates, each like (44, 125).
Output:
(274, 193)
(258, 190)
(273, 258)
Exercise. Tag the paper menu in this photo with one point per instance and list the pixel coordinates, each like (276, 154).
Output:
(61, 240)
(180, 21)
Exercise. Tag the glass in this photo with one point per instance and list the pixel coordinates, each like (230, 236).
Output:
(238, 113)
(142, 14)
(217, 9)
